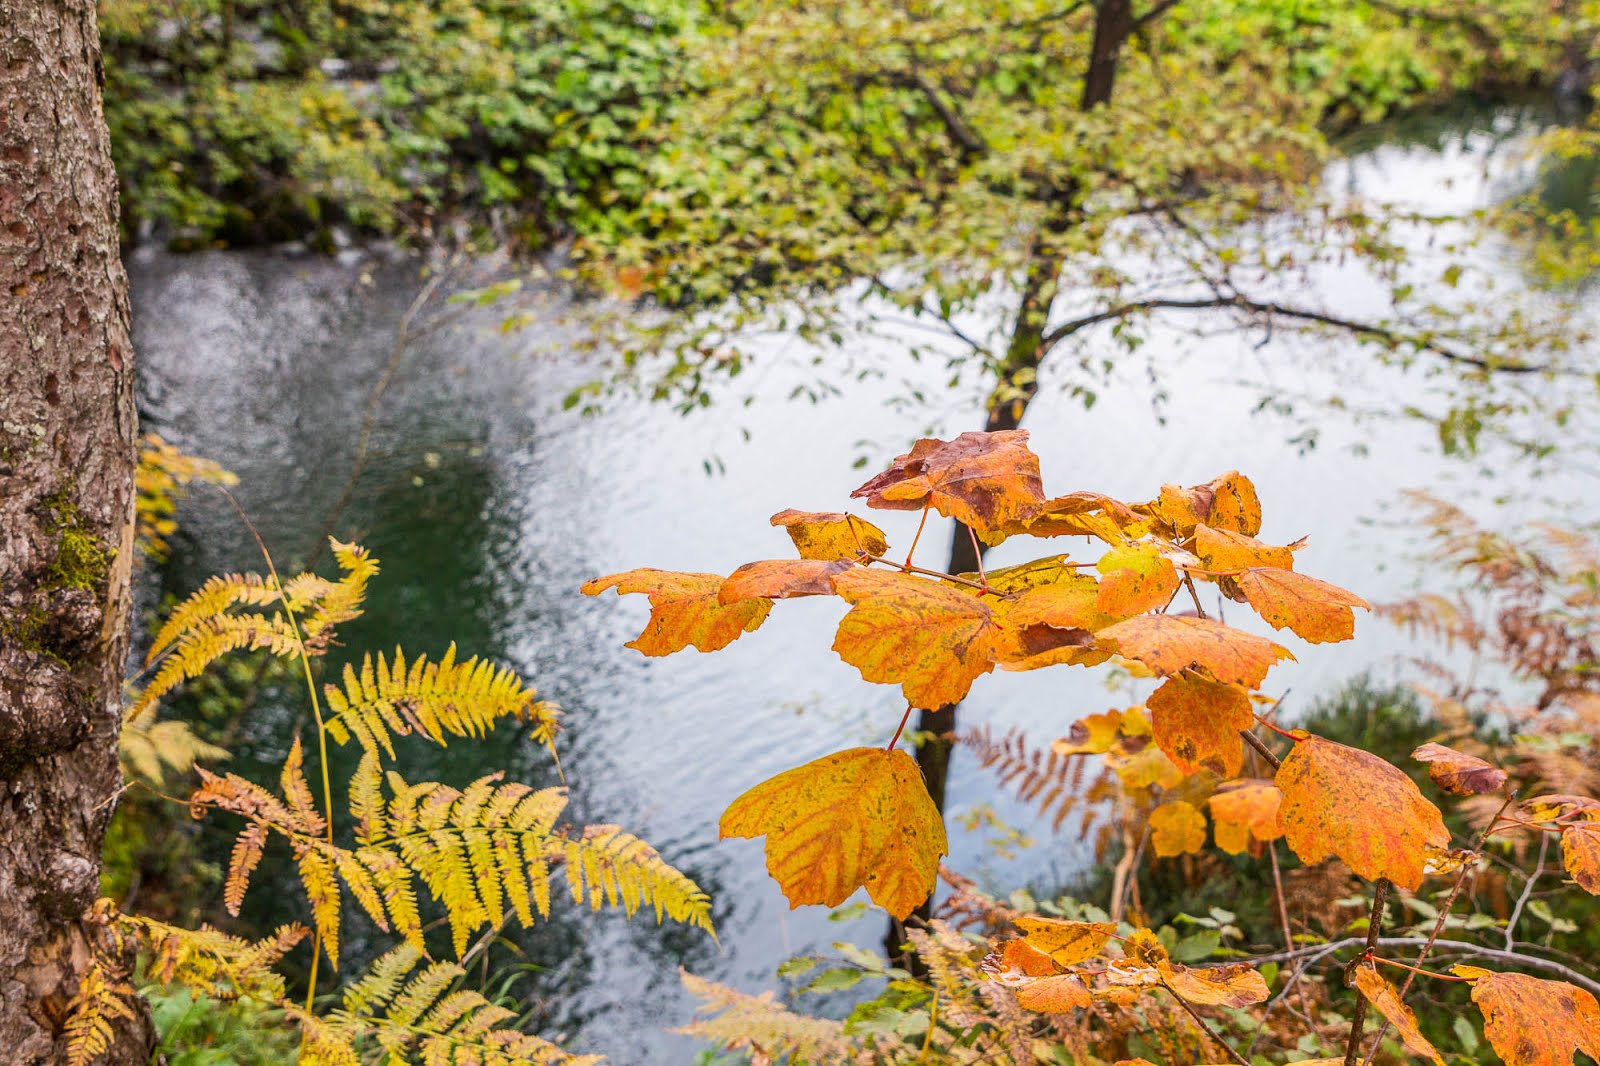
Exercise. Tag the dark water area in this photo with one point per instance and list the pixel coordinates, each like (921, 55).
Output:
(488, 505)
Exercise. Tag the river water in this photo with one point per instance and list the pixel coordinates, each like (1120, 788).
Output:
(488, 506)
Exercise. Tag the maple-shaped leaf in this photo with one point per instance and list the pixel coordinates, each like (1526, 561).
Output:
(923, 635)
(1177, 828)
(1458, 773)
(1224, 549)
(856, 818)
(1235, 985)
(1057, 994)
(1197, 723)
(1227, 503)
(1245, 810)
(781, 579)
(983, 480)
(1080, 514)
(684, 610)
(1580, 854)
(831, 535)
(1316, 611)
(1137, 579)
(1343, 801)
(1532, 1022)
(1386, 998)
(1067, 943)
(1170, 644)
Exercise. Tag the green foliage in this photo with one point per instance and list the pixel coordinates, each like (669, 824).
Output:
(235, 121)
(199, 1031)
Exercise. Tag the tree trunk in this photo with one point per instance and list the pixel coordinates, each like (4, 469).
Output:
(66, 497)
(1018, 383)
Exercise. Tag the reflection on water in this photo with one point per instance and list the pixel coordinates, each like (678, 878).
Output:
(488, 507)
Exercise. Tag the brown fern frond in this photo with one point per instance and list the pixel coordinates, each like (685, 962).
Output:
(389, 698)
(103, 996)
(736, 1021)
(952, 966)
(967, 906)
(1049, 781)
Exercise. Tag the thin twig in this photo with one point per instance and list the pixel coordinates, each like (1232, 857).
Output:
(1527, 891)
(1261, 749)
(1454, 947)
(1205, 1027)
(1380, 897)
(1288, 934)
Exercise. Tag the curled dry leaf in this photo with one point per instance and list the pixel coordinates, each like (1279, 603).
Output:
(1177, 828)
(1555, 807)
(1316, 611)
(1458, 773)
(923, 635)
(684, 610)
(1531, 1022)
(1197, 723)
(1227, 503)
(1343, 801)
(857, 818)
(1169, 644)
(781, 579)
(1137, 579)
(1067, 943)
(1093, 735)
(1243, 810)
(1016, 962)
(1234, 985)
(1580, 854)
(830, 535)
(1079, 514)
(984, 480)
(1054, 995)
(1386, 999)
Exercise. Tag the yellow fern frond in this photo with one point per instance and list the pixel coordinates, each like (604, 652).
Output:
(389, 698)
(206, 642)
(151, 751)
(416, 1017)
(615, 867)
(206, 961)
(740, 1022)
(211, 599)
(103, 997)
(159, 482)
(340, 601)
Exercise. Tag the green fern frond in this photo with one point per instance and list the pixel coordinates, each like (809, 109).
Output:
(415, 1017)
(103, 997)
(615, 867)
(151, 750)
(389, 698)
(737, 1021)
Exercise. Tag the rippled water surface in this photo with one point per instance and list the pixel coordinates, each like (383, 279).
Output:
(488, 506)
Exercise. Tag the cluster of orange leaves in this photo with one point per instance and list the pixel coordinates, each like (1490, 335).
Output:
(862, 818)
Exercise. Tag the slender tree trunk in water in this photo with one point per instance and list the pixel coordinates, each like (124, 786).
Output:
(1018, 384)
(66, 501)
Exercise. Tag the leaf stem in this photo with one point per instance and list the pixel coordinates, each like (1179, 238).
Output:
(907, 564)
(977, 554)
(940, 574)
(899, 729)
(1281, 732)
(1416, 970)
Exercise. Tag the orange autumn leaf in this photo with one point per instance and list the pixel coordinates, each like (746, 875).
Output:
(856, 818)
(1011, 580)
(1177, 828)
(1532, 1022)
(1016, 962)
(1170, 644)
(923, 635)
(1458, 773)
(1032, 647)
(1580, 854)
(1078, 514)
(1093, 735)
(1071, 602)
(1067, 943)
(1343, 801)
(984, 480)
(831, 535)
(1386, 999)
(780, 579)
(1315, 610)
(1137, 579)
(1197, 723)
(1224, 549)
(1553, 807)
(1235, 985)
(1054, 995)
(1228, 503)
(1139, 763)
(684, 610)
(1243, 810)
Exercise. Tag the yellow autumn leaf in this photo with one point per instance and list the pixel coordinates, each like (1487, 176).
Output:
(1386, 998)
(856, 818)
(685, 610)
(831, 535)
(1066, 942)
(1177, 828)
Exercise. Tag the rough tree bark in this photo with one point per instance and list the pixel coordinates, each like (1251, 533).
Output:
(66, 497)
